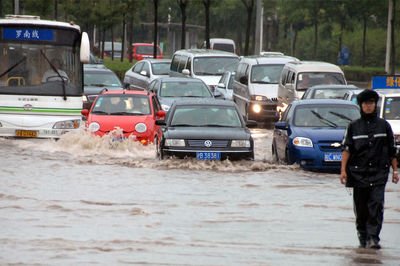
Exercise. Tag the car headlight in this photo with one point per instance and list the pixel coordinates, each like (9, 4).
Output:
(68, 124)
(165, 107)
(175, 142)
(94, 126)
(140, 127)
(256, 108)
(240, 143)
(302, 142)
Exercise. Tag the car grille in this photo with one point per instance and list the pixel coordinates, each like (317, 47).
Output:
(215, 143)
(326, 146)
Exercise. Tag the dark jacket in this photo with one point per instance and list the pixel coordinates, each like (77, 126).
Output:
(371, 145)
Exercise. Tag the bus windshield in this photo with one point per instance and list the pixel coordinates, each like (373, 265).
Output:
(31, 67)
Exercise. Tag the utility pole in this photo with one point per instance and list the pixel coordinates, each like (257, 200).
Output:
(389, 38)
(16, 7)
(259, 23)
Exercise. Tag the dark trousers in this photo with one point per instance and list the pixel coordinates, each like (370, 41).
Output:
(368, 209)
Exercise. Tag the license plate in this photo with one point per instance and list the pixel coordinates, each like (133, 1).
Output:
(208, 155)
(332, 156)
(26, 133)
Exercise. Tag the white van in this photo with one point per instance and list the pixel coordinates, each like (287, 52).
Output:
(298, 76)
(222, 44)
(389, 108)
(255, 87)
(207, 65)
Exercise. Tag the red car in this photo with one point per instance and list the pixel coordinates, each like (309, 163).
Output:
(145, 50)
(134, 112)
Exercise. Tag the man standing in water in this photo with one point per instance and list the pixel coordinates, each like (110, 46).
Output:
(368, 152)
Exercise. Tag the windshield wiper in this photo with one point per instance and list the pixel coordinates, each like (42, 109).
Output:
(99, 112)
(13, 66)
(183, 125)
(324, 120)
(58, 73)
(341, 116)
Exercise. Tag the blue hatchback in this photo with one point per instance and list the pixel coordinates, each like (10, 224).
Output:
(311, 131)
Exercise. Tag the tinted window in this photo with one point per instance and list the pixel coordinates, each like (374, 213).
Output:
(160, 68)
(184, 89)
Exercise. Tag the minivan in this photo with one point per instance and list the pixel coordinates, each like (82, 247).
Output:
(255, 87)
(205, 64)
(298, 76)
(222, 44)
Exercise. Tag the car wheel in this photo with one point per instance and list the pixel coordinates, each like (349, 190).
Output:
(274, 152)
(288, 160)
(159, 153)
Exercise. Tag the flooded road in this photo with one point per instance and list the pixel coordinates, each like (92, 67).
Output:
(82, 201)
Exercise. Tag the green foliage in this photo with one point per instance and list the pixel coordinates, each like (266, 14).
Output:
(118, 67)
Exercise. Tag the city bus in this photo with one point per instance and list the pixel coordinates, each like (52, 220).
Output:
(41, 76)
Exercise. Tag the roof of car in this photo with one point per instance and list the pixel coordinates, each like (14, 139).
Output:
(94, 67)
(333, 86)
(206, 52)
(315, 66)
(388, 92)
(119, 92)
(155, 60)
(177, 79)
(204, 101)
(322, 101)
(274, 59)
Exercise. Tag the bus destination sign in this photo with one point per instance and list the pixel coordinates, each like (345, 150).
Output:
(25, 34)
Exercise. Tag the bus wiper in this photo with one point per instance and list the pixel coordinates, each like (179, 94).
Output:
(58, 73)
(324, 120)
(13, 66)
(341, 116)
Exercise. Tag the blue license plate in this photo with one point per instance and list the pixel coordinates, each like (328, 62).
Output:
(206, 155)
(332, 156)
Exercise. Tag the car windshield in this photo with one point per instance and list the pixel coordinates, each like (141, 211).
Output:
(122, 105)
(392, 108)
(214, 66)
(160, 68)
(269, 74)
(325, 115)
(184, 89)
(308, 79)
(210, 116)
(101, 79)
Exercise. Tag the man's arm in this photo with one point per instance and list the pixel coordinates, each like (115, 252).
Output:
(343, 173)
(395, 177)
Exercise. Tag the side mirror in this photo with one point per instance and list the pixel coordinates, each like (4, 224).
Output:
(85, 112)
(85, 48)
(186, 72)
(161, 114)
(217, 94)
(144, 73)
(221, 86)
(281, 125)
(251, 123)
(244, 80)
(160, 122)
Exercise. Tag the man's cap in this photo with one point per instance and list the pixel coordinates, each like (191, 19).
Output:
(367, 95)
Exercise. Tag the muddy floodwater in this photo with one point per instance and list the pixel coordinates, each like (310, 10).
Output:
(87, 201)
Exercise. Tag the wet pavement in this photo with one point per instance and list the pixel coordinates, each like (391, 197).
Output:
(82, 201)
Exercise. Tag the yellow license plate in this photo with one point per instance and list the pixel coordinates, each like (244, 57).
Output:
(26, 133)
